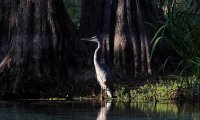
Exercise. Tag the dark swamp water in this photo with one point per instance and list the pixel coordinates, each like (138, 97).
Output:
(62, 110)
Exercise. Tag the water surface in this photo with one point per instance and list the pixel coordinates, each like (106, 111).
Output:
(61, 110)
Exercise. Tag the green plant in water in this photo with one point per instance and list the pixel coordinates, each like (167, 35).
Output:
(161, 91)
(121, 94)
(190, 88)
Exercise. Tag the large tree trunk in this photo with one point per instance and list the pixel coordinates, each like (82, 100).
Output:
(39, 47)
(123, 26)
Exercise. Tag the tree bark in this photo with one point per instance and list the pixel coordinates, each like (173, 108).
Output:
(39, 47)
(122, 25)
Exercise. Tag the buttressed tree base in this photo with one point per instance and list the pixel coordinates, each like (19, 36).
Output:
(39, 47)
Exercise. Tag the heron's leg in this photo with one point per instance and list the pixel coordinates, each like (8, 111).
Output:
(108, 92)
(101, 94)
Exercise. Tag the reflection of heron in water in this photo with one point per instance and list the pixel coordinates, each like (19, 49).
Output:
(103, 72)
(103, 111)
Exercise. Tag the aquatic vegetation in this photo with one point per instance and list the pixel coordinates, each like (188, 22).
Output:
(121, 94)
(183, 88)
(161, 91)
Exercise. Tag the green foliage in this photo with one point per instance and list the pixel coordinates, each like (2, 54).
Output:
(189, 88)
(162, 91)
(121, 94)
(183, 88)
(182, 31)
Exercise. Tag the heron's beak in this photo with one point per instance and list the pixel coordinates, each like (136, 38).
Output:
(87, 39)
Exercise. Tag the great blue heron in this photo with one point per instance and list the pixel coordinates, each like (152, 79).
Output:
(103, 72)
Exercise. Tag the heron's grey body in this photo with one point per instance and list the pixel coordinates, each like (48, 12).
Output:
(103, 72)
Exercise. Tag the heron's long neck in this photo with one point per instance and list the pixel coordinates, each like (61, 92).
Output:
(96, 54)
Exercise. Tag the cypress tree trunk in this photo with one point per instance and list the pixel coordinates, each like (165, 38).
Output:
(122, 24)
(39, 47)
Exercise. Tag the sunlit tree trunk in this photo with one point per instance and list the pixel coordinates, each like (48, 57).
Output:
(39, 47)
(124, 28)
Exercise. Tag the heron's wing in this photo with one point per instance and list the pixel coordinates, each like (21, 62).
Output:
(107, 71)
